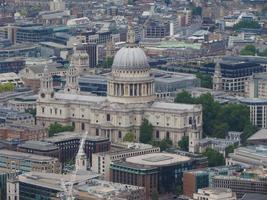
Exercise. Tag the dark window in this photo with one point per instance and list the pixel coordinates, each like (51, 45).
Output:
(108, 117)
(119, 134)
(157, 134)
(97, 131)
(83, 126)
(73, 124)
(168, 134)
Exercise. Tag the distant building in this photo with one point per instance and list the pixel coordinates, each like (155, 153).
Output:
(156, 172)
(39, 148)
(257, 107)
(155, 28)
(6, 174)
(11, 65)
(255, 86)
(258, 138)
(214, 194)
(86, 187)
(12, 117)
(33, 34)
(22, 103)
(28, 162)
(242, 184)
(101, 161)
(248, 156)
(234, 74)
(19, 50)
(68, 143)
(11, 77)
(201, 178)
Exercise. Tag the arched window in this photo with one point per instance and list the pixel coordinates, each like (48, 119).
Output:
(157, 134)
(119, 134)
(168, 135)
(83, 126)
(97, 131)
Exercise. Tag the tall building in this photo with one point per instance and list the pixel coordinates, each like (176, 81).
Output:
(92, 51)
(130, 99)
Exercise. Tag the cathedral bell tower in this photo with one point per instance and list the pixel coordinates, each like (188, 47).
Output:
(217, 78)
(194, 137)
(72, 84)
(80, 59)
(46, 85)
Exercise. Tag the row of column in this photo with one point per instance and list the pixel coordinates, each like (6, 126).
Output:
(136, 89)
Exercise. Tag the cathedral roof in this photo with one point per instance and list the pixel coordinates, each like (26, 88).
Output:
(130, 58)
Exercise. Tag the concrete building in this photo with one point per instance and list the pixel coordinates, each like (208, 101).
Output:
(214, 194)
(20, 50)
(11, 65)
(257, 110)
(248, 156)
(201, 178)
(242, 184)
(86, 187)
(11, 77)
(156, 172)
(255, 87)
(101, 161)
(68, 143)
(39, 148)
(22, 103)
(25, 162)
(130, 99)
(6, 174)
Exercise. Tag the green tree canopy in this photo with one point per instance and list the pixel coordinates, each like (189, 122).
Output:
(6, 87)
(184, 143)
(214, 158)
(146, 132)
(163, 144)
(205, 80)
(129, 137)
(249, 50)
(57, 128)
(252, 24)
(219, 119)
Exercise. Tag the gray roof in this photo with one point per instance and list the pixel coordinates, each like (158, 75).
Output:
(254, 196)
(38, 145)
(53, 67)
(259, 135)
(130, 58)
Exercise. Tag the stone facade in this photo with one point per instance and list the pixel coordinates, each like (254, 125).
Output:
(130, 99)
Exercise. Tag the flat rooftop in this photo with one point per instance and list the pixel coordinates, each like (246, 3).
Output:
(38, 145)
(158, 159)
(25, 156)
(54, 181)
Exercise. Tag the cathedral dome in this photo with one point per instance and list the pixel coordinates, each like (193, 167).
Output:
(130, 58)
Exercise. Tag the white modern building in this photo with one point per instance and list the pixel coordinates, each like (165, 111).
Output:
(214, 194)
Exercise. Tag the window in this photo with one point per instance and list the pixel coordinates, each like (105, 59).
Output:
(73, 124)
(157, 134)
(190, 120)
(119, 134)
(83, 126)
(55, 111)
(43, 109)
(97, 131)
(108, 117)
(167, 134)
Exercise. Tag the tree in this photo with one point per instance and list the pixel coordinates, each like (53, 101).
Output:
(184, 143)
(249, 50)
(251, 24)
(146, 132)
(57, 128)
(5, 87)
(205, 80)
(165, 144)
(214, 158)
(184, 97)
(248, 131)
(129, 137)
(108, 62)
(229, 149)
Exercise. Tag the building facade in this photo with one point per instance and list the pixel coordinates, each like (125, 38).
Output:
(130, 99)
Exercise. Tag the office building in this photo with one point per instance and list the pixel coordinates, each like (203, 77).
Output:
(234, 74)
(26, 162)
(68, 143)
(11, 77)
(6, 174)
(154, 28)
(86, 186)
(255, 86)
(20, 50)
(39, 148)
(11, 65)
(96, 84)
(156, 172)
(257, 114)
(248, 156)
(242, 184)
(22, 103)
(201, 178)
(214, 194)
(101, 161)
(33, 34)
